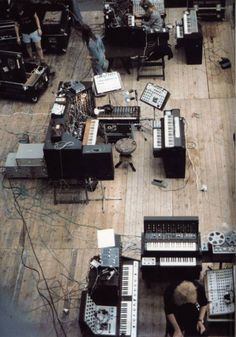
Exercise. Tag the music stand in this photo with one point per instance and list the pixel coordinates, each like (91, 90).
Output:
(107, 82)
(155, 96)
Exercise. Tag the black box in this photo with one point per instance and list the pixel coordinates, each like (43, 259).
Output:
(98, 161)
(56, 29)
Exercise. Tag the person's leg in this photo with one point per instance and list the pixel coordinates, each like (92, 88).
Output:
(76, 12)
(27, 41)
(39, 51)
(29, 50)
(36, 38)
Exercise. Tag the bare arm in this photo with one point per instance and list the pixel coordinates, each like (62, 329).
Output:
(17, 30)
(38, 23)
(200, 324)
(177, 331)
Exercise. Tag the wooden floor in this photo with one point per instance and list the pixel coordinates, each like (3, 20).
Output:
(64, 236)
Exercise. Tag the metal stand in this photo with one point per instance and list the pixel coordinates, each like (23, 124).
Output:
(126, 159)
(103, 198)
(69, 192)
(141, 129)
(154, 113)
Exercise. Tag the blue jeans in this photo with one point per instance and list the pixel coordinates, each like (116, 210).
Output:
(76, 11)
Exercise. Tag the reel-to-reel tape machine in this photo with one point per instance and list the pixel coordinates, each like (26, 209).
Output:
(222, 243)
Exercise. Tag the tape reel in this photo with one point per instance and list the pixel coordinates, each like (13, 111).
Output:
(230, 238)
(216, 238)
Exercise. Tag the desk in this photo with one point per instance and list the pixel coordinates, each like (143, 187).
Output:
(122, 53)
(155, 44)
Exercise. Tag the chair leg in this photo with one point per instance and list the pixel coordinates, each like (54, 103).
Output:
(132, 166)
(118, 164)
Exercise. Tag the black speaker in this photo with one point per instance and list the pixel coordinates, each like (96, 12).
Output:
(64, 161)
(98, 161)
(193, 48)
(174, 163)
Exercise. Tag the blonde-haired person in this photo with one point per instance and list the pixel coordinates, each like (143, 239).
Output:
(152, 18)
(185, 308)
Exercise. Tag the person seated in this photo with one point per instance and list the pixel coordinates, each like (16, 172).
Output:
(185, 305)
(151, 20)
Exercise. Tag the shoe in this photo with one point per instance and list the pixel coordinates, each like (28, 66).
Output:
(43, 64)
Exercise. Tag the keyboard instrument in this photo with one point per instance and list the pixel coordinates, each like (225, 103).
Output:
(190, 22)
(157, 136)
(178, 261)
(179, 31)
(129, 299)
(100, 315)
(189, 36)
(170, 244)
(118, 114)
(90, 132)
(169, 143)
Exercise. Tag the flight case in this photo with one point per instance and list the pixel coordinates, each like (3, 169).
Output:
(21, 80)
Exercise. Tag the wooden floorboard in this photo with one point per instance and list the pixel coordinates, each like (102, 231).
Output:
(64, 237)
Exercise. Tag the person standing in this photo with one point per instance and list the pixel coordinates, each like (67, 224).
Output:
(96, 50)
(185, 306)
(27, 22)
(76, 14)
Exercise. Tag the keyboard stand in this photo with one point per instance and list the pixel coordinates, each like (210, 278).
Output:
(70, 192)
(142, 64)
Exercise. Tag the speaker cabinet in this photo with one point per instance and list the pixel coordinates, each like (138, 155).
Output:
(193, 48)
(174, 163)
(64, 162)
(98, 161)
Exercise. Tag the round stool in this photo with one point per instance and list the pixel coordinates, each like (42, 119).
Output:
(125, 147)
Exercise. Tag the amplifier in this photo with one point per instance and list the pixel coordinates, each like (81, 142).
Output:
(64, 162)
(98, 161)
(29, 155)
(12, 170)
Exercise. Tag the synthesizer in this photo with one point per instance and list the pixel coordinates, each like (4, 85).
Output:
(129, 299)
(170, 244)
(189, 35)
(155, 96)
(118, 114)
(190, 22)
(157, 138)
(169, 143)
(119, 318)
(90, 132)
(220, 291)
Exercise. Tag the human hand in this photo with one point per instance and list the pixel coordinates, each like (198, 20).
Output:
(200, 327)
(40, 31)
(18, 40)
(178, 333)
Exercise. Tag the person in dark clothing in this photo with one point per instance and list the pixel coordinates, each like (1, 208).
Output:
(185, 308)
(27, 22)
